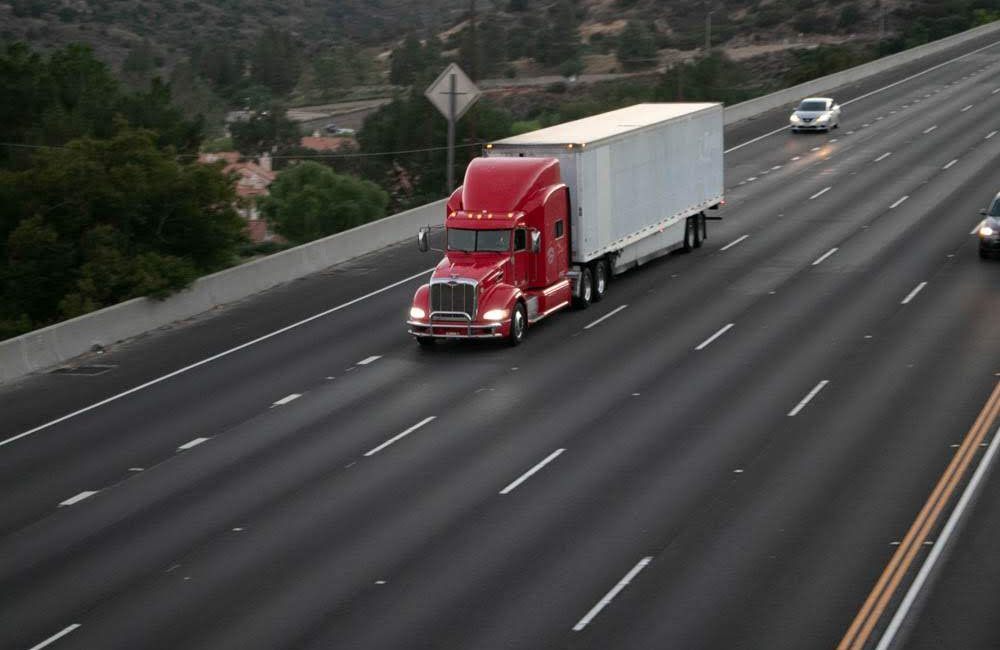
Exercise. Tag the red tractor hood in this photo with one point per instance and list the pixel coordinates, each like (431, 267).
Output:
(480, 267)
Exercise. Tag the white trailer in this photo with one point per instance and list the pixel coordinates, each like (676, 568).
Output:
(639, 179)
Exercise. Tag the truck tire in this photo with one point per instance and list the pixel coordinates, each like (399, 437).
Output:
(586, 289)
(703, 220)
(518, 325)
(600, 280)
(699, 225)
(688, 236)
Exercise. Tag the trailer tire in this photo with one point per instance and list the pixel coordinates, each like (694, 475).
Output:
(698, 224)
(600, 280)
(586, 289)
(689, 233)
(703, 220)
(518, 325)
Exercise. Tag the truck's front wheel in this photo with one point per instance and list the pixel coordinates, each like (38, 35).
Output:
(518, 325)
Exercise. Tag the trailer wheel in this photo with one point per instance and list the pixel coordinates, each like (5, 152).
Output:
(699, 224)
(518, 325)
(586, 289)
(703, 220)
(600, 280)
(689, 234)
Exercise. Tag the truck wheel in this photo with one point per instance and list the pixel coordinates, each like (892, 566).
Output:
(689, 228)
(703, 221)
(600, 280)
(586, 290)
(699, 224)
(518, 325)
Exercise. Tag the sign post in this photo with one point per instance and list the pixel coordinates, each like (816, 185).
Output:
(452, 93)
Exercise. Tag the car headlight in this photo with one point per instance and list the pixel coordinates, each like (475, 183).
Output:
(795, 119)
(495, 314)
(986, 231)
(417, 312)
(823, 118)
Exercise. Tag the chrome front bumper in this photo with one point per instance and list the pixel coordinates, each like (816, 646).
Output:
(435, 328)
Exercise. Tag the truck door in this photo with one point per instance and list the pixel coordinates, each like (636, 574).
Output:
(522, 257)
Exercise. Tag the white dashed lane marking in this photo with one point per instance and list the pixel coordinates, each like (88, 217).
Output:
(78, 498)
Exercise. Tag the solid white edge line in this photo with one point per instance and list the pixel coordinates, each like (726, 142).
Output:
(950, 164)
(704, 344)
(309, 319)
(825, 255)
(733, 243)
(365, 362)
(55, 637)
(883, 156)
(605, 316)
(212, 358)
(898, 202)
(805, 400)
(400, 436)
(192, 443)
(940, 544)
(601, 604)
(86, 494)
(820, 193)
(913, 294)
(524, 477)
(287, 398)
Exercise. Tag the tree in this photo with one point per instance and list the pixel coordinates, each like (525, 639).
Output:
(101, 221)
(309, 201)
(561, 41)
(265, 131)
(276, 61)
(330, 72)
(407, 61)
(636, 46)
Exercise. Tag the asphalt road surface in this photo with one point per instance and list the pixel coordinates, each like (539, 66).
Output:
(765, 443)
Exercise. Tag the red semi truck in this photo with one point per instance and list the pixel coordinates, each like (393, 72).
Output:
(543, 220)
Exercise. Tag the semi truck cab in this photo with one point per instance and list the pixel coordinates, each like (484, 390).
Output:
(506, 254)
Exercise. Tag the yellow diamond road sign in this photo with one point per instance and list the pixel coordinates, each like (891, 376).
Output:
(465, 91)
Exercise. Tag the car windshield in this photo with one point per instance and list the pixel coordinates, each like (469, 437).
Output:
(995, 208)
(812, 106)
(478, 240)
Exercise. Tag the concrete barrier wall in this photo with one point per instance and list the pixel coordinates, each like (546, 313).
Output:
(790, 96)
(53, 345)
(58, 343)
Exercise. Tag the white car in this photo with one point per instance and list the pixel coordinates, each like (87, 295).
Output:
(815, 114)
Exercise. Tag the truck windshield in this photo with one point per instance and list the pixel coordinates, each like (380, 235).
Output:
(478, 240)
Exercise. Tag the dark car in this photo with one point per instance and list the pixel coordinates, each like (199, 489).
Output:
(989, 229)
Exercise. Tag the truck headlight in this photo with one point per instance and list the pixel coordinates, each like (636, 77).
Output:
(495, 314)
(417, 312)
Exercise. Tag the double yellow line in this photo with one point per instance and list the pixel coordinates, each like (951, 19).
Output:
(860, 631)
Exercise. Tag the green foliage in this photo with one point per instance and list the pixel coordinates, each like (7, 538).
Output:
(276, 61)
(636, 46)
(101, 221)
(411, 123)
(415, 62)
(70, 95)
(266, 131)
(711, 78)
(850, 17)
(823, 60)
(309, 201)
(559, 40)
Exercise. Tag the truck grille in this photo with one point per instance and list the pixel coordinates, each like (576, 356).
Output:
(453, 297)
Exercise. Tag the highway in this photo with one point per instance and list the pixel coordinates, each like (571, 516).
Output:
(754, 445)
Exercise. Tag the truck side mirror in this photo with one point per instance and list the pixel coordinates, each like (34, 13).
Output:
(422, 244)
(536, 241)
